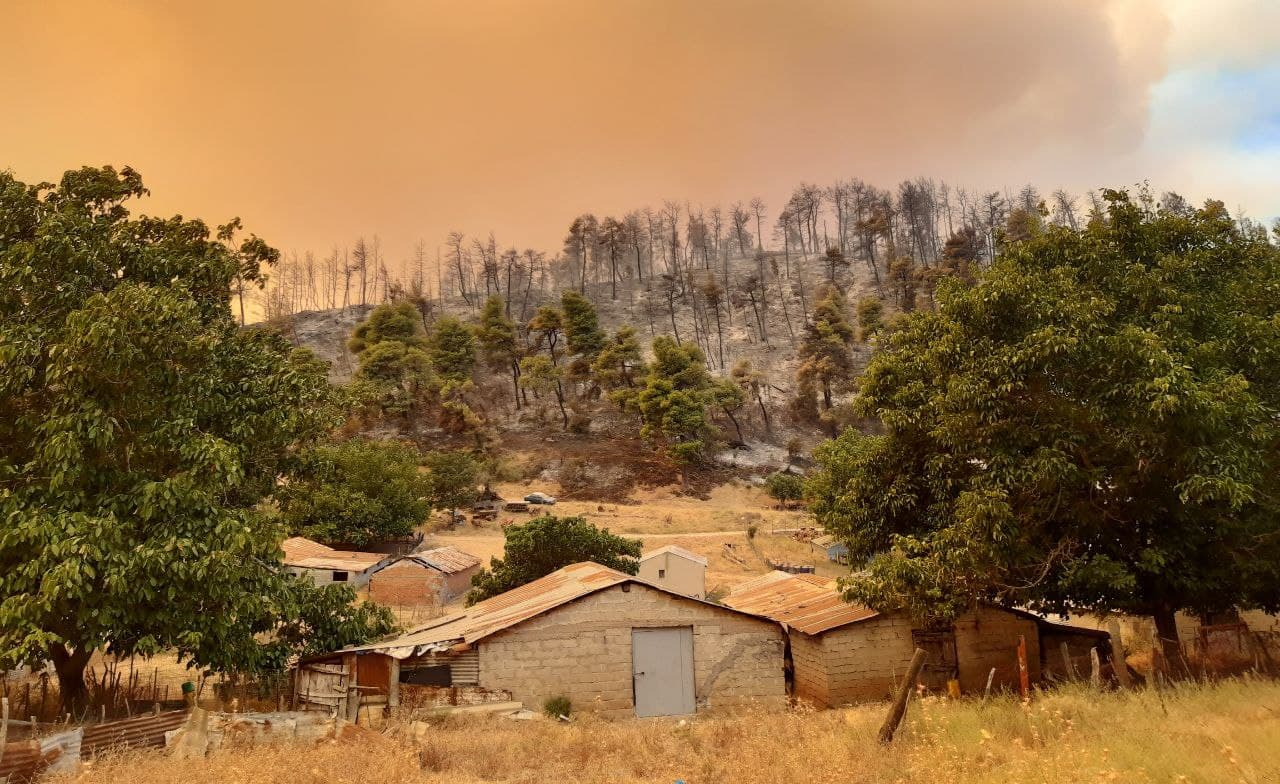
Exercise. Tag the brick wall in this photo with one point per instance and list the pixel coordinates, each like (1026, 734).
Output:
(406, 583)
(987, 638)
(582, 650)
(865, 661)
(809, 669)
(457, 584)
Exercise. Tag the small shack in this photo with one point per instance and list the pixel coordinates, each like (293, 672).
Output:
(836, 550)
(841, 653)
(324, 565)
(610, 642)
(430, 577)
(675, 569)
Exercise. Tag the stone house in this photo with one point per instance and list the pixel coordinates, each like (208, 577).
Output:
(611, 643)
(430, 577)
(841, 653)
(324, 565)
(675, 569)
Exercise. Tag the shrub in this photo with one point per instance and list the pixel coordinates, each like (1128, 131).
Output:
(555, 707)
(784, 487)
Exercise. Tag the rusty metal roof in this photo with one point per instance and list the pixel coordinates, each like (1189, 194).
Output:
(675, 550)
(298, 547)
(449, 560)
(804, 602)
(515, 606)
(341, 560)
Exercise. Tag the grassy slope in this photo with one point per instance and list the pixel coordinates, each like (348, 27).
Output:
(1224, 733)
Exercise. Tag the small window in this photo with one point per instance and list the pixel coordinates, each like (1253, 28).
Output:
(339, 577)
(662, 573)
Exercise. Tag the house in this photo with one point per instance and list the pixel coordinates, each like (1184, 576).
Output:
(841, 653)
(429, 577)
(324, 565)
(609, 642)
(836, 550)
(675, 569)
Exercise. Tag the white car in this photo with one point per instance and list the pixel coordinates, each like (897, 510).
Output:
(540, 498)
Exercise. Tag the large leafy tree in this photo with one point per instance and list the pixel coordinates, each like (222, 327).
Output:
(139, 430)
(356, 493)
(545, 544)
(1094, 425)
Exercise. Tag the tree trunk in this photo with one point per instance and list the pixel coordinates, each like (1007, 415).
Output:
(70, 670)
(1167, 630)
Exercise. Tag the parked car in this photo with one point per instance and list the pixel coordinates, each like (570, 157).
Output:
(540, 498)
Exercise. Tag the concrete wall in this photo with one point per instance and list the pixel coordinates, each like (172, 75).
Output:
(679, 574)
(356, 579)
(864, 661)
(582, 650)
(988, 638)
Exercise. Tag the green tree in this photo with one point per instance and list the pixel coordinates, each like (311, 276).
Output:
(496, 335)
(399, 322)
(356, 493)
(826, 354)
(453, 480)
(395, 372)
(583, 338)
(537, 373)
(1093, 426)
(870, 317)
(452, 348)
(140, 428)
(673, 403)
(620, 362)
(544, 544)
(784, 487)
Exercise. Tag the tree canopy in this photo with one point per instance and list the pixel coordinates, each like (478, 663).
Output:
(356, 493)
(140, 427)
(544, 544)
(1093, 425)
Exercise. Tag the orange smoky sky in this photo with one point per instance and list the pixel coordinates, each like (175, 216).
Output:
(317, 122)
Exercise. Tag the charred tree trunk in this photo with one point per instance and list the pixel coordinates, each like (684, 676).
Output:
(70, 670)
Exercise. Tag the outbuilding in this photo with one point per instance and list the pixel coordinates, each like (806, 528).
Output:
(428, 578)
(609, 642)
(675, 569)
(841, 653)
(325, 565)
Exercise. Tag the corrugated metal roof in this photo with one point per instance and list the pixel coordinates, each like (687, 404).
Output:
(675, 550)
(826, 541)
(515, 606)
(298, 547)
(804, 602)
(449, 560)
(341, 560)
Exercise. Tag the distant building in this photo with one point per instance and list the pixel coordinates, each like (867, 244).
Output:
(609, 642)
(843, 653)
(675, 569)
(430, 577)
(836, 550)
(325, 565)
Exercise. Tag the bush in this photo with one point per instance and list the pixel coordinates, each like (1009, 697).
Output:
(784, 487)
(555, 707)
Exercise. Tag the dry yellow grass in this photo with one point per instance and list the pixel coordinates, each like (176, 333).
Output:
(1228, 732)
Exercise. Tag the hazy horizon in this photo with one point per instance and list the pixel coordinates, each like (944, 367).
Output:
(318, 123)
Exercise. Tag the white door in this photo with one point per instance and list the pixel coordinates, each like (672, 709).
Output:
(662, 670)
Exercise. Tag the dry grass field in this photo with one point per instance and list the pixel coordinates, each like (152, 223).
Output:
(1228, 732)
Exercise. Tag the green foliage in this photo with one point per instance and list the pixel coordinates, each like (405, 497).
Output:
(870, 317)
(620, 362)
(545, 544)
(826, 356)
(555, 707)
(452, 348)
(356, 493)
(453, 479)
(581, 326)
(673, 403)
(397, 322)
(140, 428)
(1093, 425)
(496, 334)
(784, 487)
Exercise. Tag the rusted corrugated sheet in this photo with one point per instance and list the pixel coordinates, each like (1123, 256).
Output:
(22, 761)
(804, 602)
(449, 560)
(140, 732)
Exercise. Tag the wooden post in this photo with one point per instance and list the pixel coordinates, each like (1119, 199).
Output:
(1095, 668)
(393, 686)
(1118, 662)
(899, 706)
(4, 724)
(1024, 677)
(991, 676)
(1068, 670)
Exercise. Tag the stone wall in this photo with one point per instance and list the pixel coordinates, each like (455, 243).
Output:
(407, 584)
(988, 638)
(582, 650)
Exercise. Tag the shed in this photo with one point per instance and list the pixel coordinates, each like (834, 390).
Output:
(836, 550)
(324, 565)
(675, 569)
(841, 653)
(430, 577)
(609, 642)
